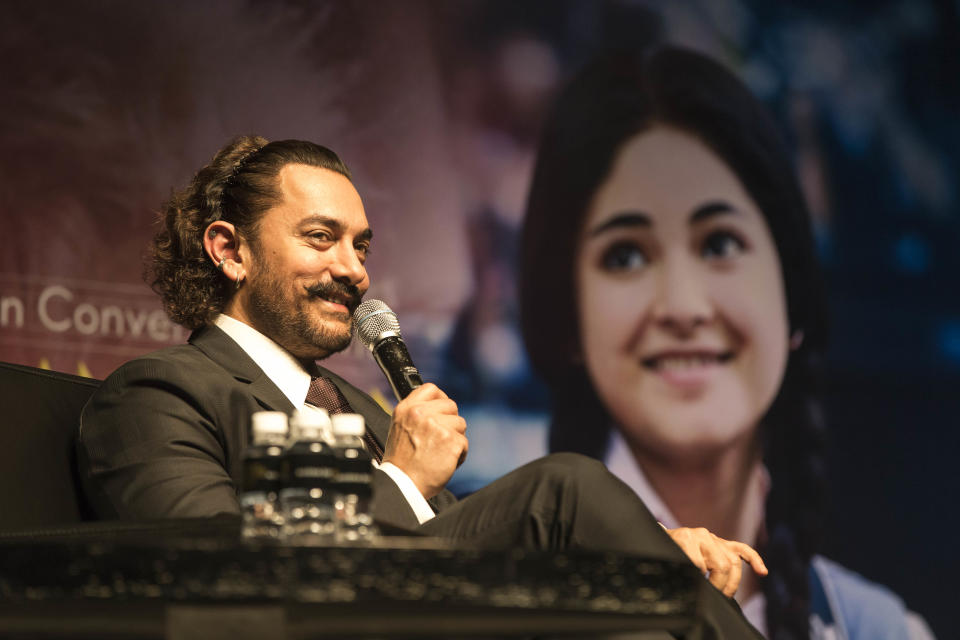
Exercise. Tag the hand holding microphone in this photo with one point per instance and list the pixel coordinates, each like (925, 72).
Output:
(426, 439)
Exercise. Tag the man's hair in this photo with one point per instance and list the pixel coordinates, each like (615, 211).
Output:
(238, 186)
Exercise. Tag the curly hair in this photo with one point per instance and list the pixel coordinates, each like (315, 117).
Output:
(611, 100)
(238, 186)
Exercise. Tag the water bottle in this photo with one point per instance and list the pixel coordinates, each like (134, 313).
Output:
(260, 496)
(309, 464)
(352, 490)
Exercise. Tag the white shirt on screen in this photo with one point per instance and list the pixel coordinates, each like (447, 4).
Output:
(621, 463)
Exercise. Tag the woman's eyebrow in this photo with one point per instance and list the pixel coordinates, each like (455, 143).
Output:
(627, 219)
(711, 209)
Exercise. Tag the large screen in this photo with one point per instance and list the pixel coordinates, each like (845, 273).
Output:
(438, 109)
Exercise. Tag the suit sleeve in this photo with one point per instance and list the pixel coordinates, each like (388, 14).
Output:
(149, 448)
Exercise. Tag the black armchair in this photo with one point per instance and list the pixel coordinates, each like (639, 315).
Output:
(39, 414)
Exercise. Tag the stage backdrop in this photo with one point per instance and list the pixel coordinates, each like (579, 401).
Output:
(436, 107)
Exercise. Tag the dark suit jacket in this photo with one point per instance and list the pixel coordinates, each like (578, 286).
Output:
(164, 434)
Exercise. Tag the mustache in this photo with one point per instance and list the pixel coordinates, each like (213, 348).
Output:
(346, 294)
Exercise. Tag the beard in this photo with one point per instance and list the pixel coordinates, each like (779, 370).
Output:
(290, 322)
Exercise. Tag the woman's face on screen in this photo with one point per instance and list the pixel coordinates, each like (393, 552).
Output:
(683, 322)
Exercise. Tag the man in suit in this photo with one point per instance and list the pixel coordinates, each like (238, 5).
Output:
(262, 255)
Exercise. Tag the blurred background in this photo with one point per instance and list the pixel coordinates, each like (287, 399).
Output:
(436, 106)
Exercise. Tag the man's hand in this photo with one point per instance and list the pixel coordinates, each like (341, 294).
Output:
(426, 439)
(717, 557)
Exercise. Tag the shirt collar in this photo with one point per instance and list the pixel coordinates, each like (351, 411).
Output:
(277, 363)
(621, 463)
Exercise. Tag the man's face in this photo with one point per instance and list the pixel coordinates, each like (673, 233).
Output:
(305, 272)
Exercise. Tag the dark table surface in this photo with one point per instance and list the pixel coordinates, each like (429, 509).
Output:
(197, 579)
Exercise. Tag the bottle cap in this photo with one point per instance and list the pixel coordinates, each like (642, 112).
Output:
(348, 424)
(309, 424)
(269, 425)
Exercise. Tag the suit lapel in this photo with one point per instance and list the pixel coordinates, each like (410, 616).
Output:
(222, 349)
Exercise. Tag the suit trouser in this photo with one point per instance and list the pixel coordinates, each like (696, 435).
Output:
(569, 501)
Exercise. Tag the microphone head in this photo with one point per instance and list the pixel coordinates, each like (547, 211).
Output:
(374, 320)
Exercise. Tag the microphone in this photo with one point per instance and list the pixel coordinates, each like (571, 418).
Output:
(377, 327)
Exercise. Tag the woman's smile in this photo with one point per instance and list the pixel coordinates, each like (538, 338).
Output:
(683, 324)
(687, 369)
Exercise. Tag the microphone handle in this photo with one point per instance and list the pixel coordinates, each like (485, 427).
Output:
(395, 362)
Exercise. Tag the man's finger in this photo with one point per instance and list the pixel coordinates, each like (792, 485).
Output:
(718, 563)
(750, 555)
(463, 451)
(444, 406)
(426, 391)
(696, 558)
(736, 571)
(458, 424)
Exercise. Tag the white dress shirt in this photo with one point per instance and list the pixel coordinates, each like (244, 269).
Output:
(293, 380)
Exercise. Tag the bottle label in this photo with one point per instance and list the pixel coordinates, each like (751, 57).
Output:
(261, 472)
(312, 472)
(353, 477)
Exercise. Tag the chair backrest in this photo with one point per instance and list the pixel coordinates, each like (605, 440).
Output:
(39, 414)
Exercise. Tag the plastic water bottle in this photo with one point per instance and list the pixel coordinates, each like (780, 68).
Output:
(353, 492)
(309, 464)
(260, 497)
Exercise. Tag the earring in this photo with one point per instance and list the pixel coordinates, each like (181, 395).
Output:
(213, 233)
(220, 266)
(239, 280)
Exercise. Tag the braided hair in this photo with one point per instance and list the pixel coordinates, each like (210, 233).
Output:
(610, 101)
(238, 186)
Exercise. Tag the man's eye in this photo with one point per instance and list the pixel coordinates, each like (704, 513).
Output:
(722, 245)
(623, 256)
(363, 250)
(320, 236)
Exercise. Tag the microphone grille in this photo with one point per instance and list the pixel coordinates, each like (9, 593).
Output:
(373, 318)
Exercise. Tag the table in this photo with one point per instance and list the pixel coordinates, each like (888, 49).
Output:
(196, 579)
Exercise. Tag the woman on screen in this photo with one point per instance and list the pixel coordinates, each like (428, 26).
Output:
(670, 298)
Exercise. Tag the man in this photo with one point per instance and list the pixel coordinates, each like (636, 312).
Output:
(263, 256)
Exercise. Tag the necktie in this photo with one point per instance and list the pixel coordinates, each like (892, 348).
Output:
(324, 394)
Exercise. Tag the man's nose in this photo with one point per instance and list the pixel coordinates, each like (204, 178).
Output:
(682, 302)
(346, 266)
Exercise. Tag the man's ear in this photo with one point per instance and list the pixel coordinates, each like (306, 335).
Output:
(222, 245)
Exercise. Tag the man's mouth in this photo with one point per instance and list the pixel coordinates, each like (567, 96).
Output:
(336, 293)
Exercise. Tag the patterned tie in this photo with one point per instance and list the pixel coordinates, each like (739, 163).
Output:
(324, 394)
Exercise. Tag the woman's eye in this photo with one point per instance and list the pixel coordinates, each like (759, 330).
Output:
(623, 256)
(722, 245)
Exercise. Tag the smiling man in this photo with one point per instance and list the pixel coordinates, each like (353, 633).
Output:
(262, 255)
